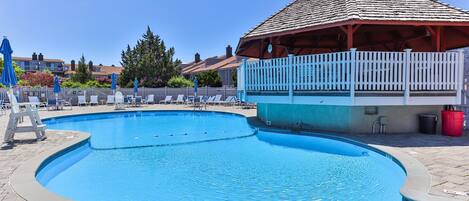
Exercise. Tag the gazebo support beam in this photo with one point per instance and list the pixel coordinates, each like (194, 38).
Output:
(349, 30)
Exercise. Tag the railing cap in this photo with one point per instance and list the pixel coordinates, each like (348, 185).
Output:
(407, 50)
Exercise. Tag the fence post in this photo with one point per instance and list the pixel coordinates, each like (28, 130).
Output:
(290, 77)
(460, 76)
(244, 80)
(165, 92)
(407, 75)
(353, 59)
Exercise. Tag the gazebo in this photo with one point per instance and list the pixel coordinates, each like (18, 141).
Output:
(321, 26)
(343, 61)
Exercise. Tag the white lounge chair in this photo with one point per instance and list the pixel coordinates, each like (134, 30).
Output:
(35, 100)
(215, 100)
(150, 99)
(119, 101)
(180, 99)
(229, 100)
(166, 100)
(82, 101)
(209, 100)
(110, 99)
(94, 100)
(18, 111)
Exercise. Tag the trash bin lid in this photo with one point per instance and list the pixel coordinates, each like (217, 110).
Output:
(428, 115)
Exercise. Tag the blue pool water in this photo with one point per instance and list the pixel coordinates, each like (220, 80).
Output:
(211, 156)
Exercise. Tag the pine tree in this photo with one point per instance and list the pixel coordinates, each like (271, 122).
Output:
(82, 74)
(149, 61)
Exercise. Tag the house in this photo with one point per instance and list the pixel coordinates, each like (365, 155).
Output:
(225, 65)
(350, 66)
(98, 71)
(39, 63)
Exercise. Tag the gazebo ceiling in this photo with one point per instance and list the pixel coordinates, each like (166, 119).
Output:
(315, 26)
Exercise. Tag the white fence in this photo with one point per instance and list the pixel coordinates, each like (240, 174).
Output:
(45, 93)
(364, 70)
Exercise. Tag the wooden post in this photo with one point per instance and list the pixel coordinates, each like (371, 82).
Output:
(407, 76)
(290, 77)
(349, 36)
(353, 58)
(244, 79)
(460, 76)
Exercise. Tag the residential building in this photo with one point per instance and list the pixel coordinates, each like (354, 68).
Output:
(225, 65)
(39, 63)
(344, 67)
(98, 71)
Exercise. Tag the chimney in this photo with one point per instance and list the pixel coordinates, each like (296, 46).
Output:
(72, 65)
(229, 51)
(34, 57)
(90, 66)
(197, 58)
(41, 57)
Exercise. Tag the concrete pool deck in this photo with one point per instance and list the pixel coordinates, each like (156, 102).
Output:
(445, 158)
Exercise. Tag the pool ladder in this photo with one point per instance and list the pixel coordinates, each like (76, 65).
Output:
(379, 126)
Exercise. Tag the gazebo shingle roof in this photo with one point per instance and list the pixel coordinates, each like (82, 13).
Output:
(309, 13)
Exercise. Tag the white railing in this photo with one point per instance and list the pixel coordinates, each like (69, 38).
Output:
(365, 70)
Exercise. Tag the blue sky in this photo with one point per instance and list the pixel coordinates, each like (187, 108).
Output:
(100, 29)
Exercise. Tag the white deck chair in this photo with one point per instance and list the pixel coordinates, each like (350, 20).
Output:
(17, 112)
(166, 100)
(215, 100)
(35, 100)
(110, 99)
(180, 99)
(150, 99)
(228, 100)
(119, 101)
(94, 100)
(209, 100)
(82, 100)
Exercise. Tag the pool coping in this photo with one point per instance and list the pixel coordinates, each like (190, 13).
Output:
(24, 183)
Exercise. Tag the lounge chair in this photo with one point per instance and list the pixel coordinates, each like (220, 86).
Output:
(138, 100)
(150, 99)
(35, 100)
(209, 100)
(2, 108)
(166, 100)
(119, 101)
(17, 113)
(82, 101)
(128, 99)
(215, 100)
(180, 99)
(228, 101)
(93, 100)
(110, 99)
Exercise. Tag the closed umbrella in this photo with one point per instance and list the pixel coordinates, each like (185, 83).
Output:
(196, 85)
(57, 89)
(8, 74)
(135, 86)
(113, 83)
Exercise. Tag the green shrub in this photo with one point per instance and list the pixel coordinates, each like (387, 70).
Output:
(179, 81)
(209, 78)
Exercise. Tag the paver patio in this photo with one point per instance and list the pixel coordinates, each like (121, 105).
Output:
(447, 159)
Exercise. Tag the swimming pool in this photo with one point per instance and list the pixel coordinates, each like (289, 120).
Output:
(176, 155)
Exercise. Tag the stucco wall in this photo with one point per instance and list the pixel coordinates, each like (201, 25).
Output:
(401, 119)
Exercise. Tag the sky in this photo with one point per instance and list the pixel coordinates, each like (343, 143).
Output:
(101, 29)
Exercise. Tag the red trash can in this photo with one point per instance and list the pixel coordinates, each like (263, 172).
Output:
(452, 123)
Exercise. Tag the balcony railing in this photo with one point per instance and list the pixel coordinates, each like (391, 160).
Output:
(355, 71)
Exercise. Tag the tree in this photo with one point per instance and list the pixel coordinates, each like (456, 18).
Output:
(38, 79)
(83, 74)
(209, 78)
(179, 81)
(149, 61)
(18, 71)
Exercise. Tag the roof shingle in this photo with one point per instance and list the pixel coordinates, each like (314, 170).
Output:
(309, 13)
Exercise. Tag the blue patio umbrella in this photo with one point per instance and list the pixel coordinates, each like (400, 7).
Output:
(57, 89)
(8, 74)
(196, 85)
(135, 86)
(113, 82)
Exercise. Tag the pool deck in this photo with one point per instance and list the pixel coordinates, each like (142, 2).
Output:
(445, 158)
